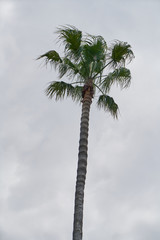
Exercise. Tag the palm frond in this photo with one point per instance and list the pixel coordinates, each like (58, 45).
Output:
(68, 67)
(51, 57)
(71, 38)
(95, 48)
(108, 104)
(120, 52)
(121, 76)
(94, 53)
(61, 89)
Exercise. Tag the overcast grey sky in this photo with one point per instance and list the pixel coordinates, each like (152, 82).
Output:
(39, 137)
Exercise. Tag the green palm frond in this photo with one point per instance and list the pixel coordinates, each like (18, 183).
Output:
(83, 71)
(61, 89)
(68, 67)
(51, 57)
(94, 53)
(71, 38)
(121, 76)
(108, 104)
(119, 53)
(95, 48)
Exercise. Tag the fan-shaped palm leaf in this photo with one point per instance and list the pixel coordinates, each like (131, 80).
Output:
(108, 104)
(95, 50)
(71, 38)
(94, 53)
(51, 57)
(68, 67)
(62, 89)
(119, 53)
(121, 76)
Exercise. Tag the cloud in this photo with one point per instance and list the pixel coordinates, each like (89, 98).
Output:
(39, 138)
(6, 10)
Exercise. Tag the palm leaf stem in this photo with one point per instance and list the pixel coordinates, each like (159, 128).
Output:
(103, 76)
(98, 88)
(77, 82)
(92, 70)
(102, 69)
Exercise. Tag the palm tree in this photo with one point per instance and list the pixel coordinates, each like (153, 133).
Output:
(92, 67)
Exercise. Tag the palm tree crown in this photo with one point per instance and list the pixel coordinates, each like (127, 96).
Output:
(88, 61)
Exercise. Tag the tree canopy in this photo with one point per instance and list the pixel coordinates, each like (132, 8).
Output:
(89, 58)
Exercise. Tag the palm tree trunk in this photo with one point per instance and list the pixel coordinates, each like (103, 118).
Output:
(82, 166)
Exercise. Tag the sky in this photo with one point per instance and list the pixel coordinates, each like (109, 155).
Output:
(39, 137)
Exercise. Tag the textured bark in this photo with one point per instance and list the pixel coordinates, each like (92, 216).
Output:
(82, 165)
